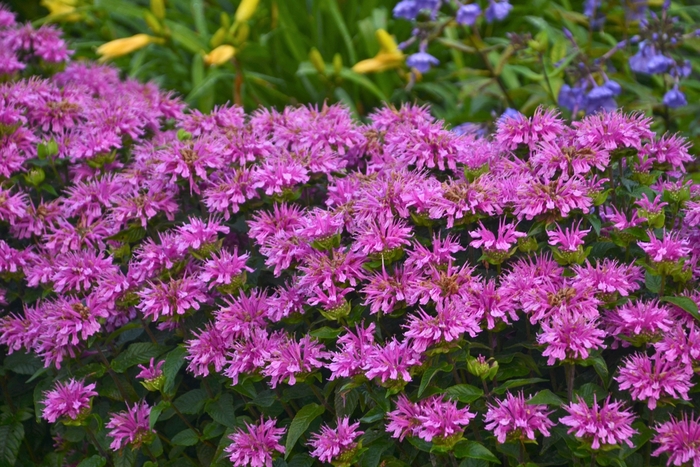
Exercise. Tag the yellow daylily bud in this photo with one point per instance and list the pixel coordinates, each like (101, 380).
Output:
(337, 63)
(387, 43)
(242, 32)
(119, 47)
(220, 55)
(218, 37)
(381, 62)
(158, 8)
(246, 9)
(316, 60)
(63, 10)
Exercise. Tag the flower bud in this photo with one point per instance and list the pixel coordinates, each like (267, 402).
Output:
(219, 55)
(338, 312)
(124, 46)
(317, 61)
(337, 63)
(246, 10)
(479, 367)
(35, 176)
(158, 8)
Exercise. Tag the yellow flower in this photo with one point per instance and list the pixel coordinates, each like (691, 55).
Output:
(245, 10)
(63, 10)
(119, 47)
(220, 55)
(389, 56)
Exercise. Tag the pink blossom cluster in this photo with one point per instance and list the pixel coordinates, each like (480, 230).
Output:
(300, 246)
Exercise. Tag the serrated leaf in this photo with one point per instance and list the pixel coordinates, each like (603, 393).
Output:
(191, 402)
(300, 424)
(11, 436)
(514, 383)
(137, 353)
(185, 438)
(652, 282)
(684, 303)
(326, 333)
(173, 362)
(94, 461)
(156, 411)
(22, 363)
(429, 373)
(464, 393)
(473, 450)
(546, 397)
(221, 410)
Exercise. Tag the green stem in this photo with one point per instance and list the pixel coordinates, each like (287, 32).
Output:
(570, 371)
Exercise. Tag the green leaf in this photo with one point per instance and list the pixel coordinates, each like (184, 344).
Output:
(652, 282)
(22, 363)
(156, 411)
(685, 303)
(139, 352)
(191, 402)
(173, 361)
(11, 436)
(94, 461)
(338, 18)
(300, 424)
(464, 393)
(326, 333)
(474, 450)
(430, 372)
(546, 397)
(185, 438)
(514, 383)
(221, 410)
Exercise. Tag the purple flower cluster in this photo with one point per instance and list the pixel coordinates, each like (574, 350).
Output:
(294, 246)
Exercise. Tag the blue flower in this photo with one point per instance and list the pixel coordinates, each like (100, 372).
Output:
(407, 9)
(467, 14)
(659, 64)
(498, 11)
(675, 98)
(572, 99)
(422, 61)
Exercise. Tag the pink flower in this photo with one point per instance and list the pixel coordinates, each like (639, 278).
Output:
(131, 427)
(680, 439)
(609, 276)
(601, 426)
(243, 314)
(229, 191)
(653, 378)
(570, 239)
(353, 348)
(291, 359)
(255, 445)
(382, 235)
(197, 233)
(514, 418)
(152, 371)
(613, 130)
(441, 419)
(570, 337)
(384, 291)
(506, 239)
(404, 420)
(224, 268)
(452, 320)
(171, 299)
(671, 247)
(391, 362)
(331, 443)
(70, 400)
(670, 150)
(206, 350)
(639, 319)
(545, 125)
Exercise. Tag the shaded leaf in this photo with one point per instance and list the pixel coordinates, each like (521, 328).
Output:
(464, 393)
(300, 424)
(474, 450)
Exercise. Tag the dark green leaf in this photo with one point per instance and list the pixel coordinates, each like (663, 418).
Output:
(684, 303)
(300, 424)
(191, 402)
(173, 361)
(326, 333)
(652, 282)
(429, 373)
(94, 461)
(137, 353)
(464, 393)
(185, 438)
(156, 411)
(221, 410)
(546, 397)
(11, 436)
(474, 450)
(514, 383)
